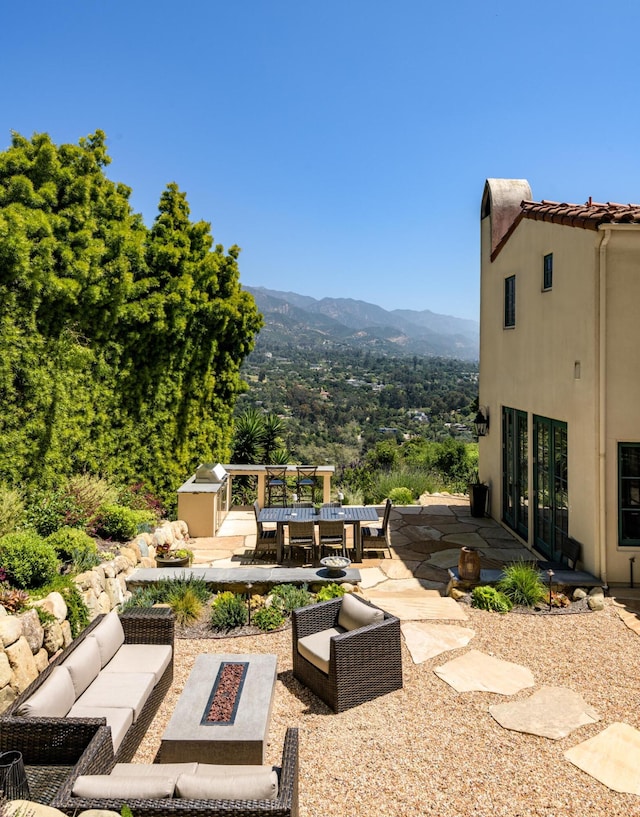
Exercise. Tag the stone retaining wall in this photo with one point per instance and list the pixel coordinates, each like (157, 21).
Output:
(27, 647)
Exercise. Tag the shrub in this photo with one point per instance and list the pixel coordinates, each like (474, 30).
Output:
(139, 497)
(186, 605)
(268, 618)
(228, 610)
(415, 480)
(488, 598)
(289, 596)
(330, 591)
(163, 591)
(521, 582)
(88, 493)
(72, 544)
(120, 523)
(28, 560)
(51, 509)
(401, 496)
(11, 509)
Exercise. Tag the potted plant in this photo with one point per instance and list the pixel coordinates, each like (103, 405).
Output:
(168, 556)
(478, 493)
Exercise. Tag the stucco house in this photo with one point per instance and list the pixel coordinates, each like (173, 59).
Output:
(560, 374)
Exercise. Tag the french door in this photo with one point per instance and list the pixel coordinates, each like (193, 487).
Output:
(551, 500)
(515, 463)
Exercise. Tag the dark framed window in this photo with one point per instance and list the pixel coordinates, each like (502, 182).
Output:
(629, 494)
(510, 301)
(547, 271)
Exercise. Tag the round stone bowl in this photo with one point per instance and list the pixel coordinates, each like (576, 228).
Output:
(335, 565)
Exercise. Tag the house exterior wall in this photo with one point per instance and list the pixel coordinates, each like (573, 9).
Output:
(549, 365)
(622, 384)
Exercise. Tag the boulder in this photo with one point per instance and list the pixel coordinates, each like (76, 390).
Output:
(7, 697)
(66, 633)
(147, 561)
(129, 553)
(22, 663)
(142, 545)
(5, 670)
(595, 602)
(53, 638)
(579, 593)
(19, 808)
(103, 603)
(42, 660)
(596, 591)
(10, 630)
(32, 630)
(55, 604)
(115, 592)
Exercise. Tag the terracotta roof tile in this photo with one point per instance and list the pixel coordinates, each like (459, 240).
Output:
(588, 216)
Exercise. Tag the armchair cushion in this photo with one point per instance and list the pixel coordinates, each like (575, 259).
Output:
(53, 699)
(316, 648)
(355, 613)
(83, 665)
(109, 635)
(95, 786)
(262, 784)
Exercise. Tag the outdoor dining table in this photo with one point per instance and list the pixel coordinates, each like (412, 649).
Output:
(351, 514)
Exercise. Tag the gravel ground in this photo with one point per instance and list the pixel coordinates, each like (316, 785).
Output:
(429, 750)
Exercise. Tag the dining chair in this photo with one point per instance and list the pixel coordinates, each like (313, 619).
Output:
(302, 537)
(331, 535)
(306, 482)
(372, 538)
(266, 538)
(276, 485)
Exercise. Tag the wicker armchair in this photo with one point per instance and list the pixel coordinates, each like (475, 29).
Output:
(364, 663)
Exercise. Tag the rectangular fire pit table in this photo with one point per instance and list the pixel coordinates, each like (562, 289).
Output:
(239, 734)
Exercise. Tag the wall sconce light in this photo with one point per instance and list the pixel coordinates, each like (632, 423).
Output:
(481, 421)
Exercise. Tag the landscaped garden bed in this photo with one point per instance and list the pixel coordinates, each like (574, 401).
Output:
(200, 613)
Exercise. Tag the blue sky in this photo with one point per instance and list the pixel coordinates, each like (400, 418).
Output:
(342, 144)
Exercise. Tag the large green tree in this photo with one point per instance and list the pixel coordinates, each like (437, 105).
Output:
(120, 346)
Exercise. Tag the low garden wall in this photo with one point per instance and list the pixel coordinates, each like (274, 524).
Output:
(27, 645)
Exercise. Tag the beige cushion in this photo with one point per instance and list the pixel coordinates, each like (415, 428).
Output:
(53, 699)
(260, 785)
(83, 665)
(92, 786)
(153, 658)
(316, 648)
(119, 689)
(153, 769)
(355, 613)
(109, 635)
(118, 718)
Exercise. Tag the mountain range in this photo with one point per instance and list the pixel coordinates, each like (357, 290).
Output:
(293, 320)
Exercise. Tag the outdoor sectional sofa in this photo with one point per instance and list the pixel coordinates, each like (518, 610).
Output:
(97, 698)
(165, 789)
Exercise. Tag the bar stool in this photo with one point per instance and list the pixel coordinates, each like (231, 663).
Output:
(306, 481)
(276, 485)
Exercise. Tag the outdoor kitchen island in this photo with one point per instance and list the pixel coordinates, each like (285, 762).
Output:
(223, 713)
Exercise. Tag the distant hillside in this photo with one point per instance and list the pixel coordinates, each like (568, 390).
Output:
(293, 320)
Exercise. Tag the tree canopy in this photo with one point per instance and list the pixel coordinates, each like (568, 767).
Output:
(120, 345)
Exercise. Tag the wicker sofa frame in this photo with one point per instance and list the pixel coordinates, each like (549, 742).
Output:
(63, 741)
(285, 805)
(363, 663)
